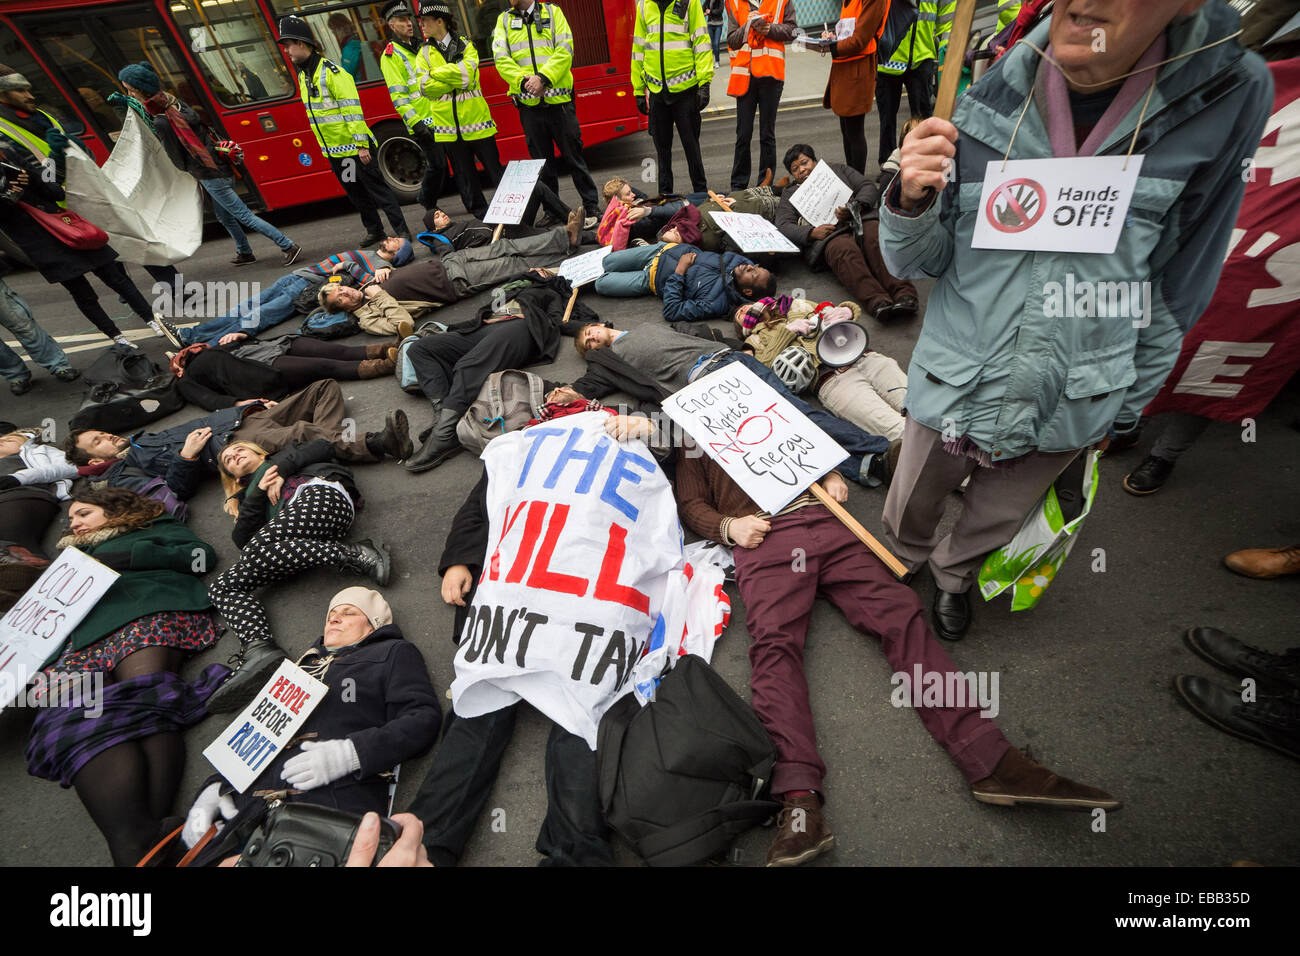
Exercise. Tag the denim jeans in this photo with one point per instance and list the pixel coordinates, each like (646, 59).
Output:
(272, 307)
(232, 213)
(41, 347)
(627, 272)
(851, 438)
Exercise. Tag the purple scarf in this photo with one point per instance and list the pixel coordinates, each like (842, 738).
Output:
(1060, 120)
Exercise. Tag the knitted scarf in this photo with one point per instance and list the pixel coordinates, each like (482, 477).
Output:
(164, 103)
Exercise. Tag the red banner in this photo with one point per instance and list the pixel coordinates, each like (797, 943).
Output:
(1247, 344)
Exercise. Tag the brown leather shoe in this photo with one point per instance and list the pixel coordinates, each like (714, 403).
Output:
(1019, 779)
(1265, 562)
(802, 832)
(404, 328)
(766, 179)
(375, 368)
(781, 183)
(391, 355)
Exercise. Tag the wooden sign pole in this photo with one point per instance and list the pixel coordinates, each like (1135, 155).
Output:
(568, 311)
(496, 234)
(859, 532)
(950, 73)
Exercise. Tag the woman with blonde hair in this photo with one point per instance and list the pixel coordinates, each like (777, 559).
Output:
(292, 511)
(115, 735)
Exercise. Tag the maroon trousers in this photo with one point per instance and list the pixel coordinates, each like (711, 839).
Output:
(859, 265)
(778, 605)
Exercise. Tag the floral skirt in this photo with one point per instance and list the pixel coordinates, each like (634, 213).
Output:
(184, 630)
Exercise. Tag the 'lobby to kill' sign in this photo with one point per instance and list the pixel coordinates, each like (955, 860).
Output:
(514, 191)
(765, 444)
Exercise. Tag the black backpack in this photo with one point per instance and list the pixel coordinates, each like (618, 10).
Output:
(683, 776)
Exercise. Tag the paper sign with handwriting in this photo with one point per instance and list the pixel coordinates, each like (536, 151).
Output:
(515, 190)
(820, 195)
(753, 233)
(588, 267)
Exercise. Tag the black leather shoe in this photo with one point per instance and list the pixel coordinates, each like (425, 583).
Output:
(951, 614)
(1280, 671)
(441, 444)
(253, 667)
(1271, 719)
(396, 436)
(1148, 477)
(373, 239)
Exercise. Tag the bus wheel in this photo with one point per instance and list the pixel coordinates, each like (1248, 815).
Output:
(401, 161)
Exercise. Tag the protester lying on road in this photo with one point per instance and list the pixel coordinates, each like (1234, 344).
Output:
(296, 292)
(612, 519)
(115, 705)
(694, 285)
(784, 333)
(43, 466)
(693, 225)
(293, 510)
(380, 710)
(181, 455)
(630, 215)
(778, 607)
(671, 360)
(379, 304)
(852, 254)
(240, 367)
(524, 328)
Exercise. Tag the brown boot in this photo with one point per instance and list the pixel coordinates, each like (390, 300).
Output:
(802, 832)
(766, 178)
(1019, 779)
(376, 351)
(404, 328)
(1265, 562)
(574, 228)
(391, 355)
(375, 368)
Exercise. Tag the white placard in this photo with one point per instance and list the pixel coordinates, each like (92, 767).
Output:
(820, 195)
(34, 629)
(588, 267)
(753, 233)
(844, 27)
(765, 444)
(1055, 205)
(249, 745)
(515, 190)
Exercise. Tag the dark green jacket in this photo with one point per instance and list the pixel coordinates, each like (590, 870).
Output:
(166, 559)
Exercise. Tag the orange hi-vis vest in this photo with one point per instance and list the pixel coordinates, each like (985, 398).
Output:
(849, 13)
(759, 56)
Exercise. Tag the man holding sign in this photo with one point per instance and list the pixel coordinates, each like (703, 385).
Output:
(779, 598)
(1118, 173)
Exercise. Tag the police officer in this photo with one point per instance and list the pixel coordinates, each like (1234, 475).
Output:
(533, 48)
(672, 67)
(334, 111)
(400, 66)
(462, 122)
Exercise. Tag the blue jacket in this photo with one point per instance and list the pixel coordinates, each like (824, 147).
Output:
(994, 362)
(158, 454)
(706, 291)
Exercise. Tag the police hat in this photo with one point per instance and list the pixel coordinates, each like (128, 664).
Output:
(437, 8)
(398, 8)
(296, 28)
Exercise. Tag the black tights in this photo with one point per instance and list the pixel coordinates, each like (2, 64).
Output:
(128, 789)
(113, 275)
(853, 130)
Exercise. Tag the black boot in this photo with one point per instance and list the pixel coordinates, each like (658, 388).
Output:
(371, 558)
(253, 667)
(1148, 477)
(424, 435)
(1270, 720)
(440, 445)
(395, 440)
(1280, 671)
(371, 239)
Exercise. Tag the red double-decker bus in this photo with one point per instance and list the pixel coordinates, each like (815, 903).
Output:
(221, 56)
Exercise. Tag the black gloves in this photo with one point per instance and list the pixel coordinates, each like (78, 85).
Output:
(643, 106)
(702, 96)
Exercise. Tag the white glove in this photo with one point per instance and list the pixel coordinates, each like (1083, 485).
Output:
(204, 813)
(321, 762)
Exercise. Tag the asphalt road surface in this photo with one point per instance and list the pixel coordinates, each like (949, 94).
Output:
(1085, 678)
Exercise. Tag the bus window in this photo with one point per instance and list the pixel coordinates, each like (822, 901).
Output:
(351, 36)
(13, 54)
(234, 48)
(68, 45)
(478, 18)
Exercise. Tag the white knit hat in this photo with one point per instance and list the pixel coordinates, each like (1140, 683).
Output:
(370, 603)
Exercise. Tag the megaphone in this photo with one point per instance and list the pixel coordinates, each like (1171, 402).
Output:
(842, 344)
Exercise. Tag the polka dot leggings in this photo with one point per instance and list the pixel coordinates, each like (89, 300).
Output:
(305, 534)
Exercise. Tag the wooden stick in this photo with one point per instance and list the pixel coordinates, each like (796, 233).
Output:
(497, 233)
(859, 532)
(568, 311)
(950, 73)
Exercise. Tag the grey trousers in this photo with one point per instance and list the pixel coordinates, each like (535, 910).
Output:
(1180, 432)
(993, 508)
(482, 267)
